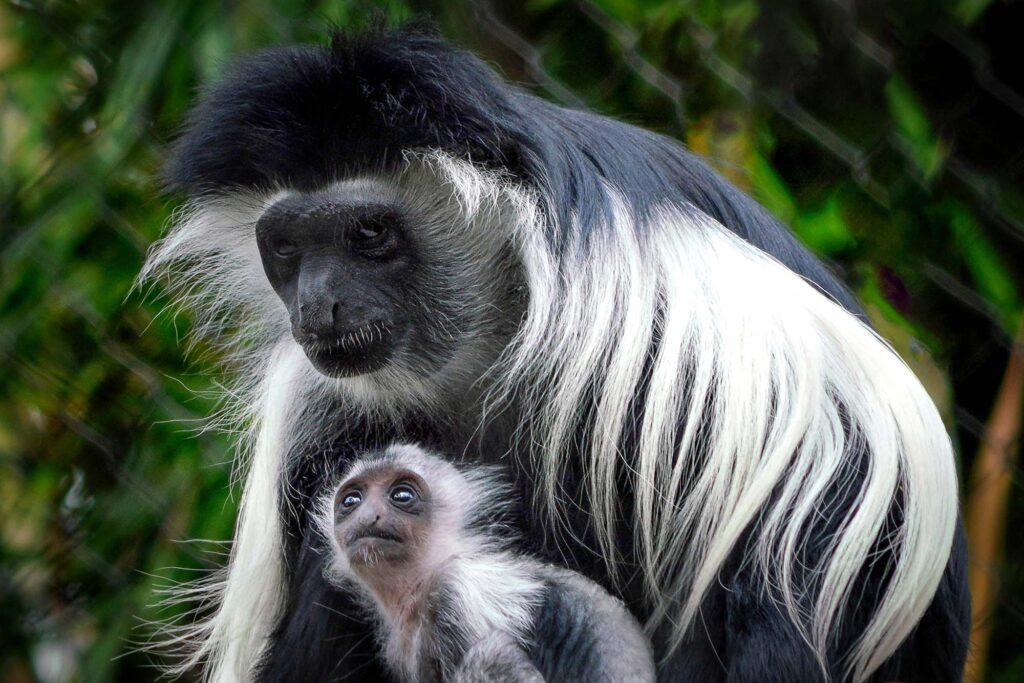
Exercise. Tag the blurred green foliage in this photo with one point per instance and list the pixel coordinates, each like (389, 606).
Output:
(887, 134)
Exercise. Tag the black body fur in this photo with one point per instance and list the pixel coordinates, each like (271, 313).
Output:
(306, 116)
(563, 647)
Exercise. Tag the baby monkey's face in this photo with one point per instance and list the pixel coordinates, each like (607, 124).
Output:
(382, 517)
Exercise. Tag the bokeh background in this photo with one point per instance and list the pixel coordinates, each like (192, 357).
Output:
(888, 134)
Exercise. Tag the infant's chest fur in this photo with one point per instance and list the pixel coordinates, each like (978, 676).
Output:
(423, 634)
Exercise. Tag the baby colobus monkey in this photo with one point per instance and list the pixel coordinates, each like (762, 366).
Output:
(422, 545)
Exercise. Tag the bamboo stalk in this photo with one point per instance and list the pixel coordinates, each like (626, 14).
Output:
(988, 504)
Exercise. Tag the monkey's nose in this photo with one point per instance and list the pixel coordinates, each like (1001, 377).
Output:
(317, 319)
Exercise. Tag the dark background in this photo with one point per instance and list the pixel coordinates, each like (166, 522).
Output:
(888, 134)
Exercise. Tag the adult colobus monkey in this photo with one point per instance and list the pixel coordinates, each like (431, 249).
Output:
(399, 246)
(424, 546)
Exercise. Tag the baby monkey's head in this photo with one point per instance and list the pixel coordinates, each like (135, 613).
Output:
(382, 514)
(406, 511)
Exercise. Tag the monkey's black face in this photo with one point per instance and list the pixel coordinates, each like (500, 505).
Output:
(339, 266)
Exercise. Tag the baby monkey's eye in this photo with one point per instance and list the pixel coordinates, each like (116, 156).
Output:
(403, 494)
(351, 499)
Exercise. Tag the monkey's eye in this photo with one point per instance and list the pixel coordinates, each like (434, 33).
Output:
(351, 499)
(368, 233)
(284, 247)
(374, 234)
(403, 495)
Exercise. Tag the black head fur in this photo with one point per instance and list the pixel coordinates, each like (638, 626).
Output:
(306, 116)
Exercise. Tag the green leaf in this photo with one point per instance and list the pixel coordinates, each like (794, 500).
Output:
(771, 190)
(988, 270)
(968, 11)
(913, 128)
(824, 229)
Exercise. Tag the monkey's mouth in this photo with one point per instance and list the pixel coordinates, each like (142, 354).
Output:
(374, 533)
(373, 545)
(356, 352)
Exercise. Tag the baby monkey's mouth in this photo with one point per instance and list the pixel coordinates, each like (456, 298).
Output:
(374, 533)
(371, 546)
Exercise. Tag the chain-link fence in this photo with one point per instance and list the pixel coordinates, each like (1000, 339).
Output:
(888, 134)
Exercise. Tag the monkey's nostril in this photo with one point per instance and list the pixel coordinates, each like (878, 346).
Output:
(307, 327)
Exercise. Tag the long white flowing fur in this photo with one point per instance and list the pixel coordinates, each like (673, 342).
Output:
(762, 368)
(238, 605)
(753, 374)
(253, 587)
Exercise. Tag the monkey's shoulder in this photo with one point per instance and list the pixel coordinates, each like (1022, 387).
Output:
(582, 632)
